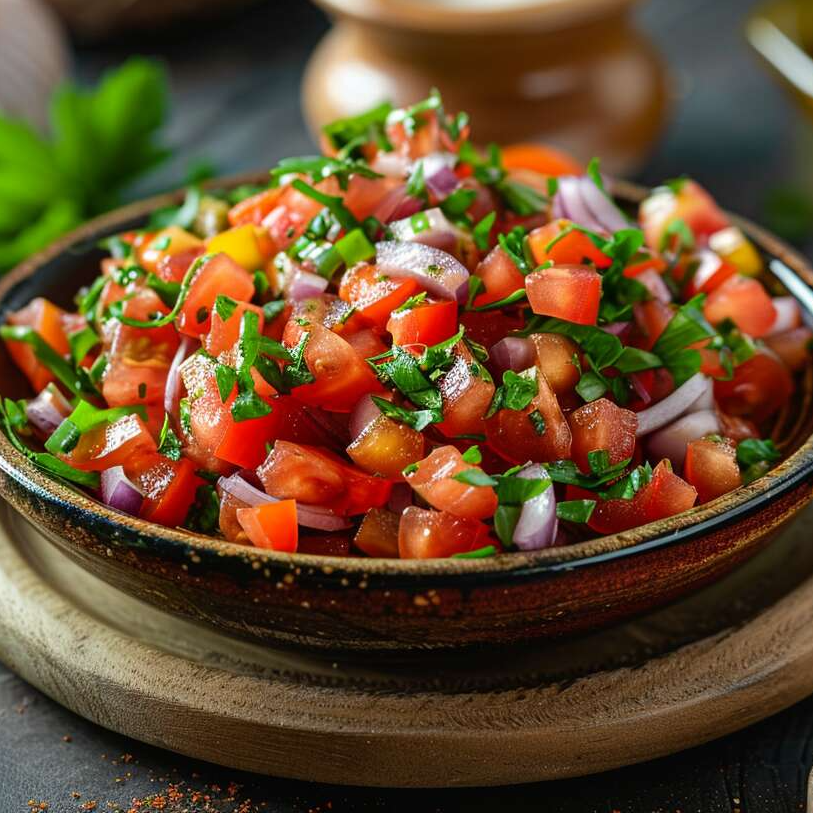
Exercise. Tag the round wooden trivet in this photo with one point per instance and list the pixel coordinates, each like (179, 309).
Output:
(624, 695)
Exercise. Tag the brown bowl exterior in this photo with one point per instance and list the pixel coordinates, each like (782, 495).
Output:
(379, 606)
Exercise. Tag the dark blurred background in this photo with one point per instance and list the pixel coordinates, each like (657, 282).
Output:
(234, 82)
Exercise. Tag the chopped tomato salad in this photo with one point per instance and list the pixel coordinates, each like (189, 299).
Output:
(409, 347)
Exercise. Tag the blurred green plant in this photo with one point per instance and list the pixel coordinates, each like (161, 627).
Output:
(788, 212)
(101, 140)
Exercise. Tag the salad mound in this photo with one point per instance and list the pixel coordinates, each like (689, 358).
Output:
(409, 347)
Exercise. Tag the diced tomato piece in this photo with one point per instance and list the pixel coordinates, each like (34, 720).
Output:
(710, 274)
(602, 425)
(641, 263)
(466, 391)
(760, 387)
(500, 277)
(229, 526)
(386, 447)
(555, 358)
(364, 194)
(254, 209)
(664, 496)
(427, 323)
(745, 302)
(168, 487)
(426, 534)
(515, 435)
(223, 334)
(316, 476)
(172, 241)
(736, 428)
(377, 535)
(574, 248)
(287, 221)
(271, 525)
(366, 342)
(711, 363)
(138, 359)
(689, 203)
(651, 317)
(340, 376)
(375, 295)
(711, 467)
(488, 327)
(569, 292)
(792, 346)
(173, 268)
(420, 140)
(113, 444)
(218, 275)
(435, 481)
(47, 320)
(540, 158)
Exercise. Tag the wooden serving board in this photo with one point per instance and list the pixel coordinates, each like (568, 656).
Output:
(716, 662)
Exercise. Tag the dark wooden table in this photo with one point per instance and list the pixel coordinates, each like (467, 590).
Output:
(235, 88)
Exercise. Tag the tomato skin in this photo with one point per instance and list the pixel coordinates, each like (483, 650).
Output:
(575, 248)
(47, 320)
(711, 467)
(386, 447)
(664, 496)
(691, 203)
(168, 486)
(255, 209)
(218, 275)
(364, 194)
(601, 424)
(424, 534)
(341, 377)
(272, 525)
(569, 292)
(651, 317)
(377, 535)
(434, 481)
(746, 302)
(374, 295)
(427, 323)
(513, 436)
(109, 445)
(554, 357)
(760, 387)
(540, 158)
(173, 268)
(315, 476)
(223, 335)
(500, 277)
(366, 343)
(465, 396)
(792, 347)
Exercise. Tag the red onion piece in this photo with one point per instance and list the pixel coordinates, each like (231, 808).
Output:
(322, 519)
(438, 172)
(400, 498)
(705, 400)
(537, 524)
(363, 414)
(172, 387)
(640, 390)
(671, 407)
(48, 409)
(119, 492)
(396, 204)
(242, 490)
(435, 270)
(653, 282)
(306, 285)
(707, 267)
(671, 441)
(615, 328)
(602, 208)
(513, 353)
(788, 315)
(568, 203)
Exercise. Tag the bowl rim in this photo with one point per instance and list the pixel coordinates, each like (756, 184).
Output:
(789, 474)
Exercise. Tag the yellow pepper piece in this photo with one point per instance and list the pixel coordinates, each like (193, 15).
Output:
(734, 247)
(167, 243)
(240, 243)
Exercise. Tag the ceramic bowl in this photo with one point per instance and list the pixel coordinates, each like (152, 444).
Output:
(369, 606)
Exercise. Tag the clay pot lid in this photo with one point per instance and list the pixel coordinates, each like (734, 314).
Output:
(474, 16)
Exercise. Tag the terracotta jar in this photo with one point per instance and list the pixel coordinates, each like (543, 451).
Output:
(573, 73)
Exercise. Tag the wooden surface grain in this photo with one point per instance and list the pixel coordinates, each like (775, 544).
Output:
(236, 104)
